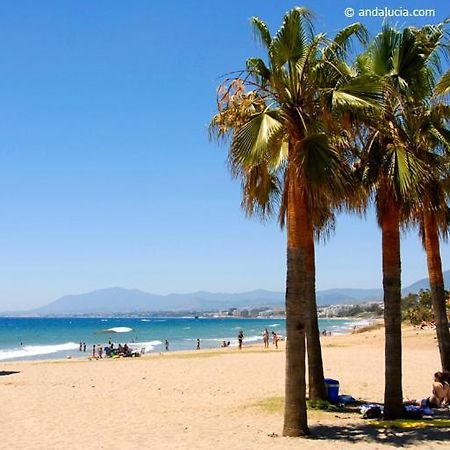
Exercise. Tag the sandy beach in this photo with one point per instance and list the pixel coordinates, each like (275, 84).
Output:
(219, 399)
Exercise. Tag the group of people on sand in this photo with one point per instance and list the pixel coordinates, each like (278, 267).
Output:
(266, 337)
(440, 394)
(111, 350)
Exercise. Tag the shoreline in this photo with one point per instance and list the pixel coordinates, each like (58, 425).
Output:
(69, 349)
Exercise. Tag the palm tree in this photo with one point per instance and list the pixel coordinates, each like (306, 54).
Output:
(394, 174)
(285, 119)
(433, 139)
(426, 126)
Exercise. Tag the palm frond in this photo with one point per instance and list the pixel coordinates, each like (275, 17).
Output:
(251, 142)
(261, 31)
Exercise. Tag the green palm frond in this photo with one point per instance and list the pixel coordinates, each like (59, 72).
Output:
(405, 172)
(319, 163)
(290, 41)
(261, 31)
(342, 42)
(443, 86)
(251, 142)
(364, 91)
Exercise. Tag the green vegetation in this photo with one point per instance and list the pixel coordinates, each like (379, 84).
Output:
(418, 308)
(360, 311)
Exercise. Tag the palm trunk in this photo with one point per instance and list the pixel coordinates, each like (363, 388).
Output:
(393, 397)
(317, 389)
(437, 287)
(295, 417)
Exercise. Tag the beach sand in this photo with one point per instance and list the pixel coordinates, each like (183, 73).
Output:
(219, 399)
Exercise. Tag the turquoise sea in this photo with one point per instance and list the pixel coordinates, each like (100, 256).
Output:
(50, 338)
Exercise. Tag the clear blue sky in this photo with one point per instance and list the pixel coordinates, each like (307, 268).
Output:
(107, 177)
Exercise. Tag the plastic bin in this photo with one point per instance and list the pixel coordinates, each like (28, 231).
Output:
(332, 390)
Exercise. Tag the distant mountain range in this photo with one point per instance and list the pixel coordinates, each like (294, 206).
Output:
(119, 300)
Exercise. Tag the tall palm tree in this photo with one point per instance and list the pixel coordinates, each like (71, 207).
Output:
(426, 126)
(433, 138)
(285, 118)
(394, 174)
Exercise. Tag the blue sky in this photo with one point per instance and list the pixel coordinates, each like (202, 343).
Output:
(107, 176)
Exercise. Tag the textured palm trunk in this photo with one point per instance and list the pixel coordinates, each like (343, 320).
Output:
(316, 383)
(437, 287)
(393, 396)
(295, 417)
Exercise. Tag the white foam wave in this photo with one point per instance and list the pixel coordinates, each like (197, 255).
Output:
(118, 330)
(145, 320)
(274, 325)
(252, 338)
(361, 323)
(36, 350)
(150, 345)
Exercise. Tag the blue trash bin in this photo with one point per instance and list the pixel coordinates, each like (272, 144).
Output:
(332, 390)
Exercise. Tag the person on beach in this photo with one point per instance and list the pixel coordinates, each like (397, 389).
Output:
(167, 345)
(266, 338)
(93, 351)
(81, 346)
(100, 351)
(84, 346)
(240, 339)
(198, 344)
(275, 338)
(440, 392)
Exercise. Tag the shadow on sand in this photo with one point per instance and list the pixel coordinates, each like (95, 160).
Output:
(389, 436)
(4, 373)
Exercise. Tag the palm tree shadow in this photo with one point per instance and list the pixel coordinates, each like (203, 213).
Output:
(4, 373)
(389, 436)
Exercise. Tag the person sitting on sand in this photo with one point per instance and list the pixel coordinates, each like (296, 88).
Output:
(440, 393)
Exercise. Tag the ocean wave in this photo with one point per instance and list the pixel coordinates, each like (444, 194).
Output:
(150, 345)
(274, 325)
(252, 338)
(36, 350)
(145, 320)
(117, 330)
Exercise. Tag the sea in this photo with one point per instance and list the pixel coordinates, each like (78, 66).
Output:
(56, 338)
